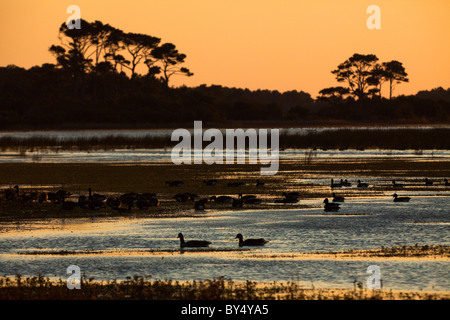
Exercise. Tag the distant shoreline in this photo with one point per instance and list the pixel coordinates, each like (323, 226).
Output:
(221, 125)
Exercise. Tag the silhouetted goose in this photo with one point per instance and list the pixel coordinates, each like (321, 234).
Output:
(400, 199)
(246, 197)
(345, 183)
(447, 184)
(286, 200)
(362, 185)
(330, 206)
(129, 198)
(96, 196)
(143, 204)
(237, 203)
(221, 199)
(291, 195)
(250, 242)
(210, 182)
(338, 198)
(192, 243)
(175, 183)
(335, 185)
(397, 185)
(113, 202)
(259, 183)
(253, 201)
(181, 197)
(428, 182)
(200, 205)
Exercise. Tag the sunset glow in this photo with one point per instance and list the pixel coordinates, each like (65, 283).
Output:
(265, 44)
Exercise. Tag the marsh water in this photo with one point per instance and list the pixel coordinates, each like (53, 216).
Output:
(125, 247)
(117, 248)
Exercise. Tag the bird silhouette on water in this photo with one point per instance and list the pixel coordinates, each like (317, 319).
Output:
(250, 242)
(192, 243)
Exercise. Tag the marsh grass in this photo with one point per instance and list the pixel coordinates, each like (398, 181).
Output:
(342, 139)
(144, 288)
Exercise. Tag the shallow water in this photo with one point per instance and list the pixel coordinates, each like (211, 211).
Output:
(124, 244)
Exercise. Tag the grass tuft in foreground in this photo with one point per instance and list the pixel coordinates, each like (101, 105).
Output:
(141, 288)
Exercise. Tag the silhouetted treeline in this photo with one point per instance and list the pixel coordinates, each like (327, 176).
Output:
(44, 97)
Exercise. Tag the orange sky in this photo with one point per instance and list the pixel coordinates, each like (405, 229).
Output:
(256, 44)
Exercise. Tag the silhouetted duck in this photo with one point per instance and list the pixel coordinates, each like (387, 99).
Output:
(192, 243)
(362, 185)
(250, 242)
(447, 184)
(400, 199)
(330, 206)
(338, 198)
(428, 182)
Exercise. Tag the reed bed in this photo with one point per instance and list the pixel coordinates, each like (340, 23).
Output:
(144, 288)
(415, 139)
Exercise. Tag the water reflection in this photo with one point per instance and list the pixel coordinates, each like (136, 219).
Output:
(127, 246)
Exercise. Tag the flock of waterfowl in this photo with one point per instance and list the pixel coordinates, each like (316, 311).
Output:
(143, 201)
(203, 243)
(335, 206)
